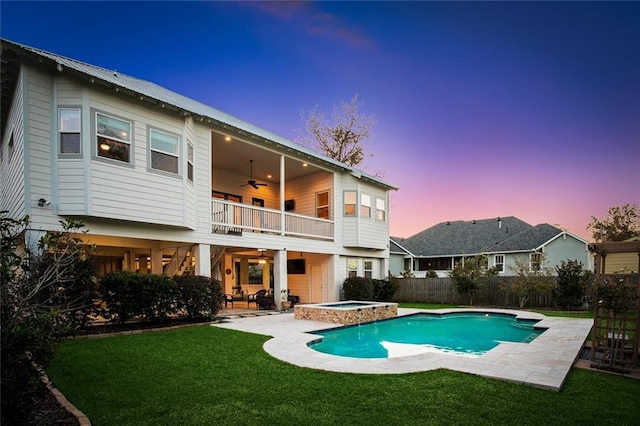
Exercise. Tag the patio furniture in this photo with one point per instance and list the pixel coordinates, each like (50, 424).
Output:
(255, 296)
(228, 298)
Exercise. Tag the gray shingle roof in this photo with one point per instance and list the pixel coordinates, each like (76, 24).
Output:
(152, 91)
(464, 237)
(395, 247)
(527, 240)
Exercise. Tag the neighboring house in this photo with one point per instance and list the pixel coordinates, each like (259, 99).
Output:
(440, 247)
(165, 184)
(618, 261)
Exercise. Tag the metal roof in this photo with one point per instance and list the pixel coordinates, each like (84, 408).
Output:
(151, 91)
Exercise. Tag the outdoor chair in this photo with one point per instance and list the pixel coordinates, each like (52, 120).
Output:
(228, 298)
(255, 296)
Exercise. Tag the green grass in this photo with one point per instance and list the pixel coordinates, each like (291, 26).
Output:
(211, 376)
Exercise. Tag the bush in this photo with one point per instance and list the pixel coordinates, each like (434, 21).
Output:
(160, 297)
(199, 296)
(45, 294)
(128, 295)
(358, 288)
(122, 292)
(431, 274)
(383, 290)
(573, 282)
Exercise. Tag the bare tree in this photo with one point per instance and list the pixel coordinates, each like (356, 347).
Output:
(343, 140)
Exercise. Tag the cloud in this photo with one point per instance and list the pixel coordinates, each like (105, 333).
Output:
(315, 22)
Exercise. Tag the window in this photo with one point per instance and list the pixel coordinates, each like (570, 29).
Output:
(322, 204)
(380, 209)
(190, 161)
(350, 203)
(365, 205)
(368, 269)
(225, 196)
(498, 261)
(164, 151)
(69, 130)
(535, 260)
(352, 268)
(113, 138)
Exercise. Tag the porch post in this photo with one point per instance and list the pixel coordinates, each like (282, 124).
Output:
(279, 276)
(202, 254)
(156, 261)
(282, 183)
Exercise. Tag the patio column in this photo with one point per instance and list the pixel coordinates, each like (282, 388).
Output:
(202, 254)
(156, 261)
(282, 215)
(279, 276)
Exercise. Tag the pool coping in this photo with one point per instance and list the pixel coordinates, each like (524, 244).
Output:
(544, 362)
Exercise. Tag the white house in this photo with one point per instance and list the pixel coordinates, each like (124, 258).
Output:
(165, 184)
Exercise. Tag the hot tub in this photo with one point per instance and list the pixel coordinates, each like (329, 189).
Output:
(347, 312)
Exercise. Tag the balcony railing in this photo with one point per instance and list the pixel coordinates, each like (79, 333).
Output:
(232, 217)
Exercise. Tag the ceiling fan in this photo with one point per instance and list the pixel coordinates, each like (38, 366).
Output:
(251, 181)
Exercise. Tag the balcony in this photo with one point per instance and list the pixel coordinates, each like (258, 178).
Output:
(231, 217)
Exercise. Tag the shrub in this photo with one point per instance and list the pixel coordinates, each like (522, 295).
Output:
(199, 296)
(383, 290)
(431, 274)
(573, 282)
(358, 288)
(160, 297)
(122, 292)
(128, 295)
(45, 294)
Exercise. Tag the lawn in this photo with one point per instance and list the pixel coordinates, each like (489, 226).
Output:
(207, 375)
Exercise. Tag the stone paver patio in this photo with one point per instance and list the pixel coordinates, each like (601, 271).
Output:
(543, 363)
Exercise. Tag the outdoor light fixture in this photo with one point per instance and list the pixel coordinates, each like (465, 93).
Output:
(42, 202)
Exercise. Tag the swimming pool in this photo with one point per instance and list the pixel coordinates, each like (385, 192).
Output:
(470, 333)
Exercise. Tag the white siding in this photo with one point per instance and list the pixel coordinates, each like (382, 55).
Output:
(38, 146)
(12, 190)
(133, 191)
(365, 232)
(303, 192)
(231, 182)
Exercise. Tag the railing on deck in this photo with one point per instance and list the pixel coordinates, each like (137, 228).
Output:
(227, 216)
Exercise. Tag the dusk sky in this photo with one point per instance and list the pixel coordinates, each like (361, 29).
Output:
(482, 109)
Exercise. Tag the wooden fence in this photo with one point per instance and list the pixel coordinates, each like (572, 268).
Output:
(441, 290)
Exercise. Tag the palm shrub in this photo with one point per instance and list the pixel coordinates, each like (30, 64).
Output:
(47, 292)
(199, 296)
(358, 288)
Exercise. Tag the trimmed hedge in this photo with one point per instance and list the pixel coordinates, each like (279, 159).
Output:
(199, 296)
(360, 288)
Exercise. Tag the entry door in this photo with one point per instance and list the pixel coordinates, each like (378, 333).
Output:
(317, 293)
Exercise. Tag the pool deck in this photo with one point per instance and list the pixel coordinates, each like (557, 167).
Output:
(543, 363)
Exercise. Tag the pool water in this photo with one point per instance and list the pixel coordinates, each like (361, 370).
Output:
(464, 333)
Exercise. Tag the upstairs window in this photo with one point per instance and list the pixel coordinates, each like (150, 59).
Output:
(535, 261)
(380, 209)
(350, 203)
(69, 130)
(190, 161)
(164, 151)
(498, 261)
(322, 204)
(365, 205)
(113, 138)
